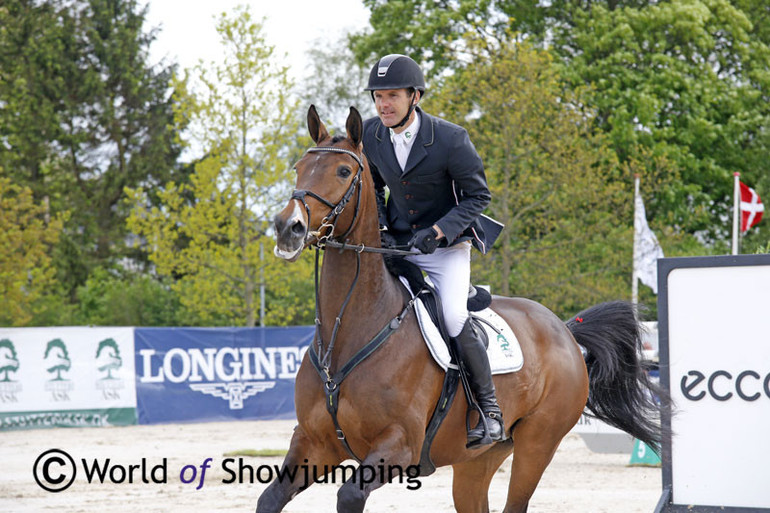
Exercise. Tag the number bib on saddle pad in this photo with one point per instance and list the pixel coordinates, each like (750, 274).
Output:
(504, 351)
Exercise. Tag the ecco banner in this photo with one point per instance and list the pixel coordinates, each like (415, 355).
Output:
(206, 374)
(715, 354)
(71, 377)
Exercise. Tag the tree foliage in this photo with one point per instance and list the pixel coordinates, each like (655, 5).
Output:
(212, 235)
(555, 185)
(565, 100)
(83, 115)
(685, 81)
(27, 273)
(124, 298)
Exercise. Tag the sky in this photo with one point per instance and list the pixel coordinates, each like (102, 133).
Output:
(188, 33)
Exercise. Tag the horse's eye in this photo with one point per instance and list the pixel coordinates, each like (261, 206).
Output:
(343, 171)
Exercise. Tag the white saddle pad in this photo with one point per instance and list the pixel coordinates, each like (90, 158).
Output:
(504, 350)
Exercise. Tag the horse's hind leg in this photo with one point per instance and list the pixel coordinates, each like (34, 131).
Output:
(535, 442)
(471, 479)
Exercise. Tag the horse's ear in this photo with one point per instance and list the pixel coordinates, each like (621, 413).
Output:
(355, 127)
(315, 126)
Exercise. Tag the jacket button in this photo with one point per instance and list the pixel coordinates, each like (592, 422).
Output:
(408, 196)
(404, 182)
(413, 211)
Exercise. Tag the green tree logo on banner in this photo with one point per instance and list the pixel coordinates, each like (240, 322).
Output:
(9, 362)
(57, 358)
(110, 357)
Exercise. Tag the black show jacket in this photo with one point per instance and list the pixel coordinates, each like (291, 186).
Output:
(443, 182)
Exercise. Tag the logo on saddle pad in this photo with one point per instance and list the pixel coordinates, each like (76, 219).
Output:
(505, 346)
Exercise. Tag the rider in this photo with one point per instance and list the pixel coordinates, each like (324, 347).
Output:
(438, 189)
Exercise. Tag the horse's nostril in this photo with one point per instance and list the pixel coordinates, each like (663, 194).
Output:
(298, 228)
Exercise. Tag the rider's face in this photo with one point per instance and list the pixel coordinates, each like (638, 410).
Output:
(393, 104)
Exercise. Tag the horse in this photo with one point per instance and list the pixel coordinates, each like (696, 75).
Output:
(386, 400)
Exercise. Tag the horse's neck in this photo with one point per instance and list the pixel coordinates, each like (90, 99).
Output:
(375, 299)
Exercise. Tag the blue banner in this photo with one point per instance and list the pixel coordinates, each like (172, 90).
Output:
(216, 374)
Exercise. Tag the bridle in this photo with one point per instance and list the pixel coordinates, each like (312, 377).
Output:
(330, 220)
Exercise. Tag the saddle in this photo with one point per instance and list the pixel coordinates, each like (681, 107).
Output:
(478, 298)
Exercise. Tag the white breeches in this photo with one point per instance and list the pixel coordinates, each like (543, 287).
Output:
(449, 269)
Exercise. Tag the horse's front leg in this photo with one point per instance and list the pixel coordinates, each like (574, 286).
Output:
(304, 462)
(389, 451)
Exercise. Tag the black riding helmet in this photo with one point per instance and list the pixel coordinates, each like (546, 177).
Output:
(396, 71)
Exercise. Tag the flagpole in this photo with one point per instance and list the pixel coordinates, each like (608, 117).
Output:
(637, 228)
(736, 210)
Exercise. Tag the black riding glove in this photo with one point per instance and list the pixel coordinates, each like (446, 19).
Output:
(425, 240)
(387, 240)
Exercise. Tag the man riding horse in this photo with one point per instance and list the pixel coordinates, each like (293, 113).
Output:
(437, 192)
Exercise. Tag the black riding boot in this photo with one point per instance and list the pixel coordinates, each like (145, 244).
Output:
(476, 362)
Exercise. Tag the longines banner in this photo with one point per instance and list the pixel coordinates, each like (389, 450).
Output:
(206, 374)
(71, 377)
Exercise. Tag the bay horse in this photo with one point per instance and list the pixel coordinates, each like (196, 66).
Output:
(386, 400)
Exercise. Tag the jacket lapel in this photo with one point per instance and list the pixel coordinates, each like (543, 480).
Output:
(423, 139)
(386, 151)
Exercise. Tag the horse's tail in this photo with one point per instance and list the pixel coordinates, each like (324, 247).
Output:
(620, 391)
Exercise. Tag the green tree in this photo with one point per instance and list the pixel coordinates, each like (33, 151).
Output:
(431, 32)
(117, 297)
(27, 273)
(129, 137)
(685, 79)
(38, 61)
(83, 115)
(555, 185)
(212, 235)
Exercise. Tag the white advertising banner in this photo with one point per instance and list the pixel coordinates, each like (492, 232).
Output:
(719, 376)
(66, 376)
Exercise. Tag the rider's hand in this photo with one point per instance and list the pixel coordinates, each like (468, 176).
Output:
(387, 240)
(425, 240)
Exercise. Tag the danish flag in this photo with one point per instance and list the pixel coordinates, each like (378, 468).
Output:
(751, 207)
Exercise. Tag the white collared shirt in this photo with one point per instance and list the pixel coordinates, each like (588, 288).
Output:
(403, 142)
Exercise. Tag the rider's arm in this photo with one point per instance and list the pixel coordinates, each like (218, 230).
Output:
(471, 191)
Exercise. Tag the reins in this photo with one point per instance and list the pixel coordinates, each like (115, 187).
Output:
(360, 248)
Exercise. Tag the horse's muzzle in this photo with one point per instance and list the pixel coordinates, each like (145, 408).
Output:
(290, 233)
